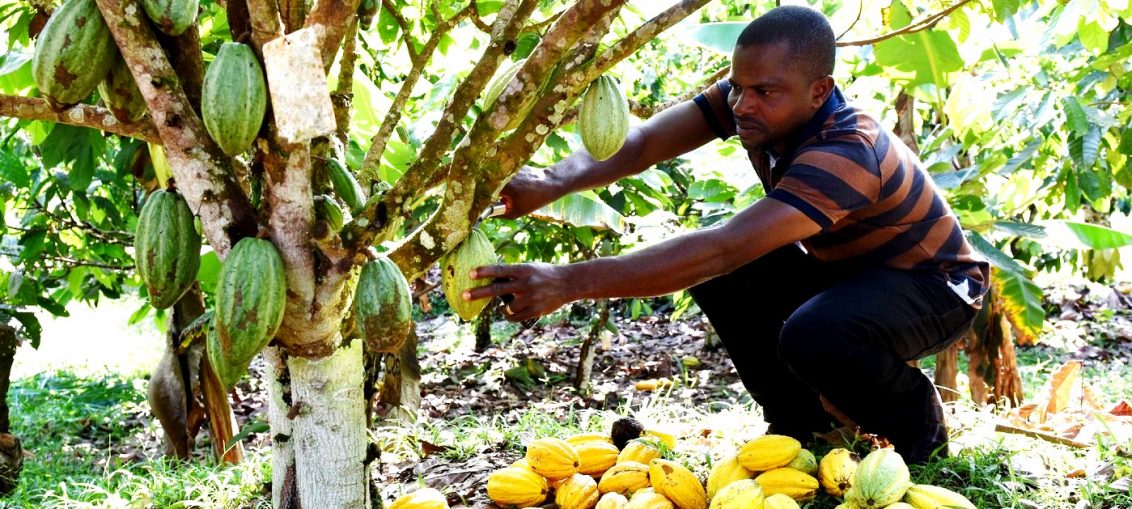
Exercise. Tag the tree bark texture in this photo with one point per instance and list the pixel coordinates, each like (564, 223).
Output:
(992, 366)
(947, 373)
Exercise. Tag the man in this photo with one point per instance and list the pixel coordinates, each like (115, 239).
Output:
(852, 265)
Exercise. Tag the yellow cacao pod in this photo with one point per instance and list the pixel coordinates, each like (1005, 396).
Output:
(768, 452)
(424, 498)
(804, 462)
(741, 494)
(724, 473)
(925, 496)
(780, 501)
(836, 471)
(668, 440)
(900, 505)
(522, 463)
(640, 451)
(881, 479)
(677, 484)
(847, 505)
(516, 486)
(648, 499)
(578, 491)
(625, 478)
(553, 458)
(789, 482)
(580, 438)
(612, 500)
(596, 457)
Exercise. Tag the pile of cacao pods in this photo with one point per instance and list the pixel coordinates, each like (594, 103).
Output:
(628, 469)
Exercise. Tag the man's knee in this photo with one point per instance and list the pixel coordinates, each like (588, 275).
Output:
(810, 337)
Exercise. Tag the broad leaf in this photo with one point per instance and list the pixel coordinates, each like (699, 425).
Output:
(1022, 304)
(77, 146)
(1075, 116)
(993, 254)
(720, 37)
(919, 58)
(1087, 235)
(1033, 231)
(582, 209)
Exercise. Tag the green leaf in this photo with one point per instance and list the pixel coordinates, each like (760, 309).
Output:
(1033, 231)
(920, 58)
(1125, 142)
(993, 254)
(488, 7)
(1092, 35)
(1022, 299)
(1095, 236)
(256, 426)
(77, 146)
(720, 37)
(1004, 9)
(583, 209)
(1075, 115)
(387, 26)
(208, 271)
(31, 329)
(16, 79)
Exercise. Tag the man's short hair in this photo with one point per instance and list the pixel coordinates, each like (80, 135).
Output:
(806, 31)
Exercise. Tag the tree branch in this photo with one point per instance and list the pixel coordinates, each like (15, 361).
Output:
(405, 33)
(267, 25)
(645, 111)
(451, 222)
(81, 115)
(917, 26)
(203, 173)
(367, 174)
(185, 56)
(343, 95)
(72, 262)
(382, 217)
(109, 237)
(642, 35)
(334, 17)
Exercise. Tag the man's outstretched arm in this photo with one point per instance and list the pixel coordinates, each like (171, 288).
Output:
(660, 269)
(668, 134)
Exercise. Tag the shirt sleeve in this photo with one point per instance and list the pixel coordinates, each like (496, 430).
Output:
(713, 103)
(831, 179)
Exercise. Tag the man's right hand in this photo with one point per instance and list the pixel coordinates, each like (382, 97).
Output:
(528, 191)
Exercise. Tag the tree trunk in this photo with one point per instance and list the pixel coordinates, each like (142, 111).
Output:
(992, 367)
(401, 388)
(947, 373)
(317, 416)
(11, 453)
(585, 369)
(483, 330)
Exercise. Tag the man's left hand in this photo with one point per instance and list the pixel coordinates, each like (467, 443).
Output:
(537, 288)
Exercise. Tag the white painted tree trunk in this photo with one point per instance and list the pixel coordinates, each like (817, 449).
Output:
(318, 429)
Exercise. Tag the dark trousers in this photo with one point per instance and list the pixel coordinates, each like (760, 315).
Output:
(797, 328)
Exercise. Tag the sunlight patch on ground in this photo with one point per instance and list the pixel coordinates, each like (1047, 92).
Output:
(93, 341)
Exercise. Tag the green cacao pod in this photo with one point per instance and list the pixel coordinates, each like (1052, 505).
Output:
(345, 185)
(603, 118)
(499, 83)
(474, 251)
(166, 248)
(121, 94)
(326, 209)
(234, 98)
(172, 16)
(804, 462)
(74, 52)
(382, 306)
(251, 296)
(880, 480)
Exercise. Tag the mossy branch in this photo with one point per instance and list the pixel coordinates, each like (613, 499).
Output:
(81, 115)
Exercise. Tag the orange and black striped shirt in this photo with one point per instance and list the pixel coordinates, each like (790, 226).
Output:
(868, 191)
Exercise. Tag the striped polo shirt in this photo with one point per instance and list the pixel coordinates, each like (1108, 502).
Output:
(874, 201)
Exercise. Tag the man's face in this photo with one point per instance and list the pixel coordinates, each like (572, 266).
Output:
(771, 96)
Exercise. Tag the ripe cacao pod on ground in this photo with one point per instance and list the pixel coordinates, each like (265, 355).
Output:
(578, 439)
(768, 452)
(724, 473)
(804, 462)
(835, 471)
(382, 306)
(626, 478)
(578, 491)
(649, 499)
(603, 118)
(166, 248)
(516, 486)
(902, 505)
(251, 294)
(597, 456)
(172, 16)
(234, 98)
(121, 94)
(553, 458)
(73, 53)
(424, 498)
(741, 494)
(789, 482)
(881, 479)
(474, 251)
(640, 451)
(780, 501)
(925, 496)
(612, 500)
(677, 484)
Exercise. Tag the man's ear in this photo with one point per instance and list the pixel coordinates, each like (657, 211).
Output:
(819, 90)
